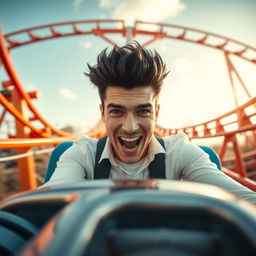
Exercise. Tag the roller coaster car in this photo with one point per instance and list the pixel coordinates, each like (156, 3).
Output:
(128, 217)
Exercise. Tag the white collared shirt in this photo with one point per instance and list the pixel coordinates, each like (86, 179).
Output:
(183, 161)
(138, 170)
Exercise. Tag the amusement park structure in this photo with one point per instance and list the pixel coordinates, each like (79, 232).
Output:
(17, 102)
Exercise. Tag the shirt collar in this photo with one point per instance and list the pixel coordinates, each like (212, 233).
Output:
(154, 148)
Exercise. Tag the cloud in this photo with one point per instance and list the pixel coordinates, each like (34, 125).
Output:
(147, 10)
(108, 3)
(86, 45)
(68, 94)
(30, 87)
(103, 16)
(163, 46)
(183, 65)
(77, 3)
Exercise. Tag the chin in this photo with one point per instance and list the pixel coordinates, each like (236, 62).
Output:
(130, 161)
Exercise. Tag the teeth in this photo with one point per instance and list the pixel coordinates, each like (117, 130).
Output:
(130, 149)
(130, 139)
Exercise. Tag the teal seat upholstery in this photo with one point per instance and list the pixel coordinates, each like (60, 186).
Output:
(57, 152)
(212, 155)
(54, 158)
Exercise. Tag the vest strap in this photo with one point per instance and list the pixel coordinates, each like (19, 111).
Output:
(157, 167)
(102, 170)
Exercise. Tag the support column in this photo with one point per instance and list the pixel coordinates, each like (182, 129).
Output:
(26, 165)
(239, 165)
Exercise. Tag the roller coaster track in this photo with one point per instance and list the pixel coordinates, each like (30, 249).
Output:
(196, 36)
(225, 125)
(50, 31)
(240, 120)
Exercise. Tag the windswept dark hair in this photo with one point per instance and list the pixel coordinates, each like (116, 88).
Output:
(127, 67)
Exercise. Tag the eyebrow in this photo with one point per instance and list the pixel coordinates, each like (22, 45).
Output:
(144, 106)
(112, 105)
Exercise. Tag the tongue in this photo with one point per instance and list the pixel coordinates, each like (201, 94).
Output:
(130, 145)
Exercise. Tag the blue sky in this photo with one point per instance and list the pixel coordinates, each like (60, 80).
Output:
(197, 88)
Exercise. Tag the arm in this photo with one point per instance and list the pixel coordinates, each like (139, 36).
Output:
(197, 167)
(75, 164)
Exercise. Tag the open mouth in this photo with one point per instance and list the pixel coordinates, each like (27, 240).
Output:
(130, 144)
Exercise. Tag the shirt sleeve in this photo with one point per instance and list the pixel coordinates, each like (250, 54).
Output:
(75, 164)
(197, 167)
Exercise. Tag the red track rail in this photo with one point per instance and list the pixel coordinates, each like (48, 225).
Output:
(50, 31)
(14, 80)
(98, 28)
(195, 36)
(233, 122)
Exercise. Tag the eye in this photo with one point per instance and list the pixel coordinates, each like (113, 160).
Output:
(116, 112)
(144, 112)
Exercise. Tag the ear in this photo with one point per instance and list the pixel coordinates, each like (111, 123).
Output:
(102, 112)
(157, 110)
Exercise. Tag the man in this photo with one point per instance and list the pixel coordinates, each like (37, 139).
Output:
(129, 80)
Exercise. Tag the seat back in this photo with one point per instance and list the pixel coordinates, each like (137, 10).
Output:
(57, 152)
(212, 155)
(54, 158)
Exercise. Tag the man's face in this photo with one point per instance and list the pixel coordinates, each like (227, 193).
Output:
(130, 117)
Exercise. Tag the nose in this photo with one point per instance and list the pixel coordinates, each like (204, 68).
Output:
(130, 123)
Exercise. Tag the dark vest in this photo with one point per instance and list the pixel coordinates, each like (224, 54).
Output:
(102, 170)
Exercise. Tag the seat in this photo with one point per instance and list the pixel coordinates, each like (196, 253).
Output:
(57, 152)
(14, 232)
(212, 155)
(54, 158)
